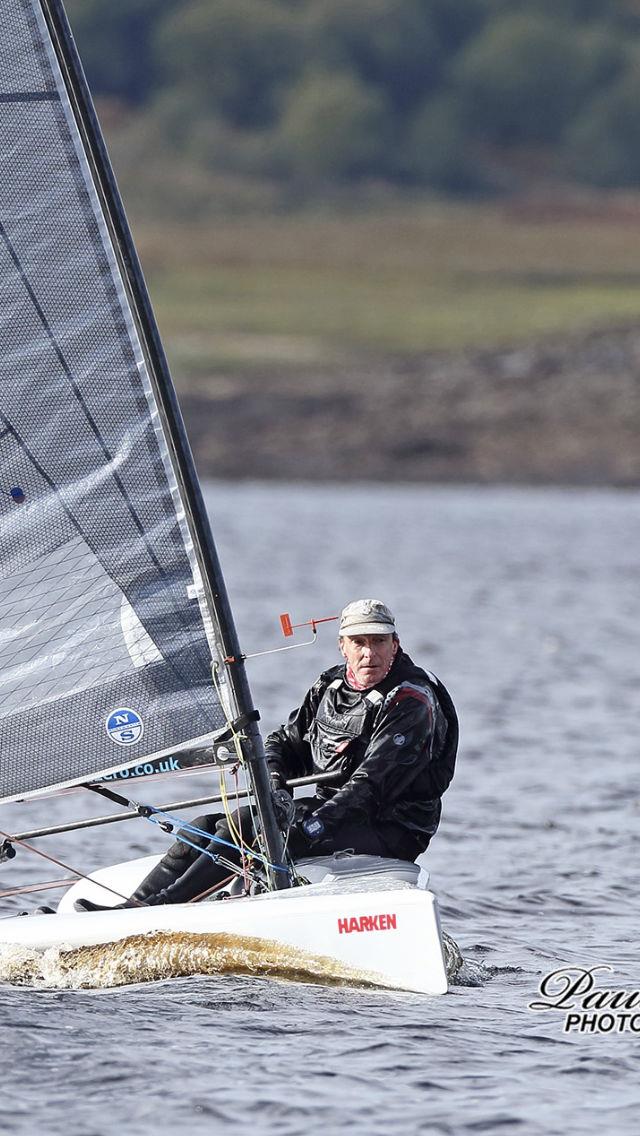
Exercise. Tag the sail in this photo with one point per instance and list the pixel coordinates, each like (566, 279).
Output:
(106, 638)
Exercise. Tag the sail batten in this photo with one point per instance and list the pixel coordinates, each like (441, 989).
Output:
(106, 639)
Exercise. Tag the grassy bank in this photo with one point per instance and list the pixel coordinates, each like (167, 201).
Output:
(306, 289)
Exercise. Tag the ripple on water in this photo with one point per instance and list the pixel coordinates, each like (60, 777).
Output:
(516, 590)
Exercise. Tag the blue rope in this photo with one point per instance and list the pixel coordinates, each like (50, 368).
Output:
(184, 826)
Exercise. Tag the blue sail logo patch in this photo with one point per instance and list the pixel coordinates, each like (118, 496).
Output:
(124, 726)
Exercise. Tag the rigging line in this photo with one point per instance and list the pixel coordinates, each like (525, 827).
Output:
(27, 888)
(239, 816)
(237, 744)
(61, 864)
(237, 836)
(184, 826)
(246, 850)
(90, 419)
(211, 890)
(216, 857)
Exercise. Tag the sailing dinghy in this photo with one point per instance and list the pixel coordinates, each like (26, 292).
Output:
(118, 650)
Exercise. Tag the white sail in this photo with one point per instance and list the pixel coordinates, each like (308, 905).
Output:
(106, 644)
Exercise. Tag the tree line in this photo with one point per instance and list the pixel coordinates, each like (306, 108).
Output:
(462, 96)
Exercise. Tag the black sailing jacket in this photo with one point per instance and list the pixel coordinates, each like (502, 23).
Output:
(393, 747)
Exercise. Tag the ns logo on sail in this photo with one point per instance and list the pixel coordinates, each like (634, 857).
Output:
(124, 726)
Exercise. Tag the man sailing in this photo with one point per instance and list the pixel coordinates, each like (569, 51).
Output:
(385, 729)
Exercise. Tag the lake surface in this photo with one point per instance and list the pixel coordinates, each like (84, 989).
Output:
(527, 604)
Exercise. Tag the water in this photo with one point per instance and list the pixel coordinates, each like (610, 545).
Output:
(527, 605)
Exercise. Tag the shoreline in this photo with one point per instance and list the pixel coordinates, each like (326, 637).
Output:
(561, 411)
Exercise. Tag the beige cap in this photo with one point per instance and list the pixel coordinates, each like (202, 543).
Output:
(367, 617)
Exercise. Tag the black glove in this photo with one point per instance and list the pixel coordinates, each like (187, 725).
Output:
(284, 808)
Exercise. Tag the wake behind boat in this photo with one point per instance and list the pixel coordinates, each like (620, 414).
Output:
(118, 650)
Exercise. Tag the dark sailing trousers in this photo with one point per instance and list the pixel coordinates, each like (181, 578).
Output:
(184, 872)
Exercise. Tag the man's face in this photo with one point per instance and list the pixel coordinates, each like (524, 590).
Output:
(369, 656)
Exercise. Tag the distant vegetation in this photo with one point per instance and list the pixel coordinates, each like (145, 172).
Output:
(313, 288)
(312, 97)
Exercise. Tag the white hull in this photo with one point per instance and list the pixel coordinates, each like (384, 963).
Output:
(370, 926)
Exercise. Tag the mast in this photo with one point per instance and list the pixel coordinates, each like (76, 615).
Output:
(176, 437)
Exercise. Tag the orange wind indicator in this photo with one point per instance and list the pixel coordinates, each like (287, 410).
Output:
(288, 627)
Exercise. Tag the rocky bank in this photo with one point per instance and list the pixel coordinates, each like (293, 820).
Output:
(562, 411)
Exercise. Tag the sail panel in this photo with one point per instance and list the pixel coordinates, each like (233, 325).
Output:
(101, 608)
